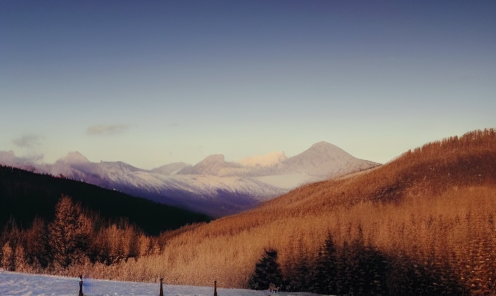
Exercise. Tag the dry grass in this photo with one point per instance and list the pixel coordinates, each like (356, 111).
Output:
(434, 203)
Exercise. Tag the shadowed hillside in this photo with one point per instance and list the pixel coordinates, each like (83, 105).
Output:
(25, 195)
(429, 215)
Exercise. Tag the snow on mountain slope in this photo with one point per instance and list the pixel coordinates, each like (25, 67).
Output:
(324, 160)
(287, 181)
(213, 186)
(170, 169)
(212, 195)
(214, 165)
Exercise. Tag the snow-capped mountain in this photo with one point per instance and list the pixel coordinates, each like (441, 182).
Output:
(213, 186)
(320, 161)
(324, 160)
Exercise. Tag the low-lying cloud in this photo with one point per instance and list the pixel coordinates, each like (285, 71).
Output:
(264, 160)
(106, 130)
(28, 141)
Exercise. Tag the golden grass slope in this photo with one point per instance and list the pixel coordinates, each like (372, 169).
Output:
(435, 205)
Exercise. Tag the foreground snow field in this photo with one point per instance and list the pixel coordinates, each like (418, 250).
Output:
(12, 283)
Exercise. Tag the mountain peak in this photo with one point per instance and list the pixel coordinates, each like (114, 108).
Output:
(214, 158)
(211, 165)
(321, 159)
(323, 145)
(74, 157)
(321, 151)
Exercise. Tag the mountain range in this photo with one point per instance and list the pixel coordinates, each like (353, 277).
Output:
(213, 186)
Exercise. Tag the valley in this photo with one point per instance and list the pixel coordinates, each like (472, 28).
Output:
(422, 224)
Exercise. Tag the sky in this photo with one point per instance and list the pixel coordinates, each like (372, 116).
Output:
(154, 82)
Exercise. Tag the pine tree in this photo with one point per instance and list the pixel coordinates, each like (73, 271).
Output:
(38, 244)
(343, 270)
(69, 232)
(325, 276)
(267, 271)
(303, 269)
(8, 257)
(302, 277)
(20, 259)
(11, 237)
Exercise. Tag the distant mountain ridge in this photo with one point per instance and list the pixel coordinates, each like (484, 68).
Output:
(320, 160)
(213, 186)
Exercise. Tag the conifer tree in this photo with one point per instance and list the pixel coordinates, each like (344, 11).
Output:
(326, 268)
(343, 270)
(38, 244)
(303, 274)
(267, 271)
(69, 232)
(8, 257)
(20, 259)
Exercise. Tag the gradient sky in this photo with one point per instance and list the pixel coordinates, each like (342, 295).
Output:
(155, 82)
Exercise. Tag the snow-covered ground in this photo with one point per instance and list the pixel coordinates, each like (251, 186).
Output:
(12, 283)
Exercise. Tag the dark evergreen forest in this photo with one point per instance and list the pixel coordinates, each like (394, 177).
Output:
(25, 195)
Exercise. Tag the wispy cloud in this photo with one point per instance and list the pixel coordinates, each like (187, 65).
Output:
(28, 141)
(106, 129)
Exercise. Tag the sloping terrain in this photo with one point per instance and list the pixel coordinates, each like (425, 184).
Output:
(430, 216)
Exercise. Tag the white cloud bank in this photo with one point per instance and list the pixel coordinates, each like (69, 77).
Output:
(264, 160)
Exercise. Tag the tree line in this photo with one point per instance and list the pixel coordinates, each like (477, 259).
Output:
(356, 268)
(75, 237)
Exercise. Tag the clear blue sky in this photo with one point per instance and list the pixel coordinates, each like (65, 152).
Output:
(155, 82)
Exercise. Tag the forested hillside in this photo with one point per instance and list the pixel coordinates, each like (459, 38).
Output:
(56, 225)
(25, 195)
